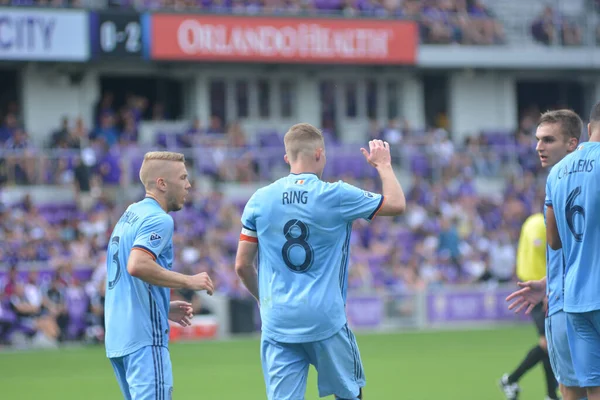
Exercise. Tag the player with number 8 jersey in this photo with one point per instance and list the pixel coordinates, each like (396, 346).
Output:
(300, 228)
(573, 224)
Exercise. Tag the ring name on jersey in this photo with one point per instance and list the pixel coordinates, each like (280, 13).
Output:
(294, 197)
(576, 167)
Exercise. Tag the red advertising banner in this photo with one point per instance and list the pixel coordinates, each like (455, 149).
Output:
(285, 40)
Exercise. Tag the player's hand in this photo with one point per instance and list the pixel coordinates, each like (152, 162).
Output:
(181, 312)
(530, 295)
(201, 281)
(378, 154)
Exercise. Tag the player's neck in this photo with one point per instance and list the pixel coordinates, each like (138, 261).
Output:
(303, 168)
(161, 202)
(594, 137)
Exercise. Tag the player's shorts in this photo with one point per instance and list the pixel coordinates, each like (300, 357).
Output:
(145, 374)
(558, 349)
(336, 359)
(583, 331)
(539, 319)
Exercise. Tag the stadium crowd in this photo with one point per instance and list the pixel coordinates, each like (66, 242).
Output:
(451, 233)
(469, 22)
(441, 21)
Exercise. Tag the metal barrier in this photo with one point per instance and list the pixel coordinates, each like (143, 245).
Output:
(252, 164)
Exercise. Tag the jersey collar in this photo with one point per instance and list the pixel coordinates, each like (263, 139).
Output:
(152, 198)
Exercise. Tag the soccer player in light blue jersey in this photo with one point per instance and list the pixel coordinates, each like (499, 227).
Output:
(558, 134)
(300, 226)
(139, 278)
(573, 224)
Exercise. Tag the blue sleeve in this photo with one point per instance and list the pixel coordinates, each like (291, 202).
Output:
(548, 200)
(249, 220)
(356, 203)
(155, 234)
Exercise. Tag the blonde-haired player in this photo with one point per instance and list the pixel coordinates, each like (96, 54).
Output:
(139, 279)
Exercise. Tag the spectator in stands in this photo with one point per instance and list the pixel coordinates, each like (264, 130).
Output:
(29, 318)
(449, 241)
(216, 126)
(502, 257)
(392, 133)
(21, 166)
(544, 28)
(8, 128)
(104, 107)
(82, 185)
(8, 287)
(96, 326)
(54, 304)
(61, 137)
(437, 24)
(444, 148)
(486, 29)
(192, 135)
(236, 136)
(79, 135)
(107, 132)
(129, 131)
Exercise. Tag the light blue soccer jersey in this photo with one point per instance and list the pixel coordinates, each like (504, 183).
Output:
(573, 190)
(303, 227)
(136, 312)
(555, 272)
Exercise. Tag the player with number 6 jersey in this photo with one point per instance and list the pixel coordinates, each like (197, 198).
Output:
(573, 224)
(300, 228)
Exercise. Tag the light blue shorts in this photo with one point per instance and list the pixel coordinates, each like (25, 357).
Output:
(559, 351)
(145, 374)
(583, 331)
(336, 359)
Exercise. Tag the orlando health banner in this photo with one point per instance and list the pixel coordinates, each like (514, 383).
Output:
(28, 34)
(282, 40)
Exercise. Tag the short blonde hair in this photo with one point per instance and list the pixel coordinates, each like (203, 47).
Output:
(157, 156)
(302, 138)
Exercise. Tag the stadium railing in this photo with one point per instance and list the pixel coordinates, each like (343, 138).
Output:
(450, 307)
(55, 167)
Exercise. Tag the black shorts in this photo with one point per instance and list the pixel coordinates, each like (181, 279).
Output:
(539, 318)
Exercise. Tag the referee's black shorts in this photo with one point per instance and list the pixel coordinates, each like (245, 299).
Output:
(539, 318)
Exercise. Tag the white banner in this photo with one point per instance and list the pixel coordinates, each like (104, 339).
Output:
(44, 35)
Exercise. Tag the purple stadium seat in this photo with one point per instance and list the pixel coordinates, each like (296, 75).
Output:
(270, 139)
(77, 307)
(420, 165)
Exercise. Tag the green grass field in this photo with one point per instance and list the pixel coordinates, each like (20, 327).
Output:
(414, 366)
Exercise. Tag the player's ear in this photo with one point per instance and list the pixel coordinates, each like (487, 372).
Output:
(286, 159)
(318, 154)
(573, 142)
(161, 184)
